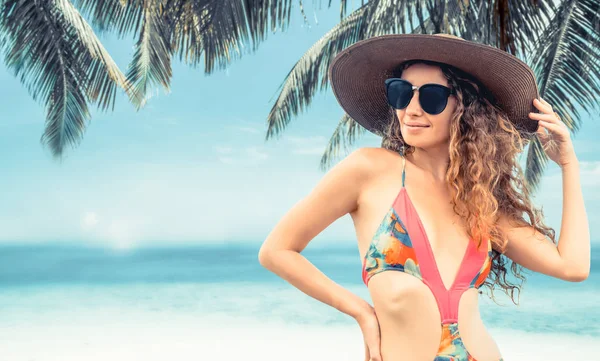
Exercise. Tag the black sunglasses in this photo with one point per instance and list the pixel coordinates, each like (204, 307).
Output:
(432, 97)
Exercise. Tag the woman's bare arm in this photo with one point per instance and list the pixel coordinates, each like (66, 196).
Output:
(334, 196)
(570, 259)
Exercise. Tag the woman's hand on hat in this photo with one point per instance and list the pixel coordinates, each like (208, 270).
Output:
(553, 134)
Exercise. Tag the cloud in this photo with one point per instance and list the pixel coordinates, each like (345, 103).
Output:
(309, 150)
(168, 203)
(586, 146)
(249, 155)
(589, 174)
(255, 154)
(154, 123)
(310, 145)
(168, 121)
(89, 220)
(310, 140)
(244, 129)
(121, 235)
(222, 149)
(25, 121)
(226, 160)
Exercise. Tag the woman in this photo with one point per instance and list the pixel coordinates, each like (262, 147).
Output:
(438, 202)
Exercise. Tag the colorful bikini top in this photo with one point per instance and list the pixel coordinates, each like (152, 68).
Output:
(401, 244)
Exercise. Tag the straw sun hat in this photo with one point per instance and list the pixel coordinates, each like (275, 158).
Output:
(357, 75)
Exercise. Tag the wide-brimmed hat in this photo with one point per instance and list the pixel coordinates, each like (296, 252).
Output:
(357, 75)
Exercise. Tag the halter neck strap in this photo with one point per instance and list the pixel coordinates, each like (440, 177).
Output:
(403, 172)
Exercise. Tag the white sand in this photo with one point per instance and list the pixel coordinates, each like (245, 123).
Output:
(174, 337)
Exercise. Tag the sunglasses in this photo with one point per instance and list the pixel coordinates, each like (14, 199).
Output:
(432, 97)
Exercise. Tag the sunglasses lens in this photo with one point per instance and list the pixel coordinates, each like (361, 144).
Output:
(399, 93)
(433, 99)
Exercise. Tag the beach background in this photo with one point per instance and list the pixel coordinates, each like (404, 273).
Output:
(143, 243)
(68, 302)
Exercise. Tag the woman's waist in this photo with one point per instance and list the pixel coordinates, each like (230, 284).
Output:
(414, 315)
(412, 302)
(419, 337)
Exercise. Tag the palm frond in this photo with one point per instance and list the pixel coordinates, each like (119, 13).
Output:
(536, 162)
(346, 133)
(104, 74)
(567, 69)
(510, 25)
(122, 16)
(218, 29)
(187, 31)
(151, 63)
(300, 84)
(61, 62)
(348, 130)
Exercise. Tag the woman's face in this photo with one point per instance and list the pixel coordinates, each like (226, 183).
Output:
(438, 131)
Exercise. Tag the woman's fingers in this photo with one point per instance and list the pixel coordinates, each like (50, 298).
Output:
(551, 126)
(372, 353)
(547, 118)
(369, 325)
(375, 357)
(542, 105)
(373, 340)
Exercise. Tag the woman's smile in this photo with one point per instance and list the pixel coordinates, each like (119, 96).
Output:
(416, 127)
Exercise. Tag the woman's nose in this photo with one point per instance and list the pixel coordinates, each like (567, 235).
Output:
(414, 107)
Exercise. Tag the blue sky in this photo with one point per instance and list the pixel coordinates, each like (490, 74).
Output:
(193, 166)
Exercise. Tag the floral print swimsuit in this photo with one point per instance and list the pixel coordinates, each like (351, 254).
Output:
(401, 244)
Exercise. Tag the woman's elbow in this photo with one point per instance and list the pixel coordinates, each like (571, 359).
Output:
(263, 257)
(578, 275)
(266, 257)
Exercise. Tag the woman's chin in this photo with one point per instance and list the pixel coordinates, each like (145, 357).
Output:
(420, 143)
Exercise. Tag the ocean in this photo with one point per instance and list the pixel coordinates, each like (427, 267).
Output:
(68, 301)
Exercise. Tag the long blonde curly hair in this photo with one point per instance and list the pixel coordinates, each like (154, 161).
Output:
(483, 172)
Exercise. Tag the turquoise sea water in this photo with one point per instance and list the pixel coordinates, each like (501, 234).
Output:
(226, 282)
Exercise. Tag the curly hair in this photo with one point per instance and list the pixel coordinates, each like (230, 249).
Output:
(484, 173)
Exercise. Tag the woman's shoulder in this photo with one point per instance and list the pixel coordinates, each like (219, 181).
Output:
(368, 164)
(376, 158)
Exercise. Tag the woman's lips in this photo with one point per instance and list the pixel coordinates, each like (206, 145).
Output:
(415, 127)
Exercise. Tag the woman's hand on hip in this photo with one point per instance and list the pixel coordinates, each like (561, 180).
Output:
(369, 325)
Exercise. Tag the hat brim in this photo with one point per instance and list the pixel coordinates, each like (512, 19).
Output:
(357, 75)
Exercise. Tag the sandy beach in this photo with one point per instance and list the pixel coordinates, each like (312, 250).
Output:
(184, 339)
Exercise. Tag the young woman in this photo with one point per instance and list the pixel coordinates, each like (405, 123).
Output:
(441, 201)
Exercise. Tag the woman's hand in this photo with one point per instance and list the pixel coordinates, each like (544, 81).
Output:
(369, 325)
(553, 134)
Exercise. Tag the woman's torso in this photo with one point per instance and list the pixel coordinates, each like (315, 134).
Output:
(407, 310)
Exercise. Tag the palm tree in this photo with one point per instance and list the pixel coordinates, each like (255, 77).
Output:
(560, 41)
(59, 58)
(56, 53)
